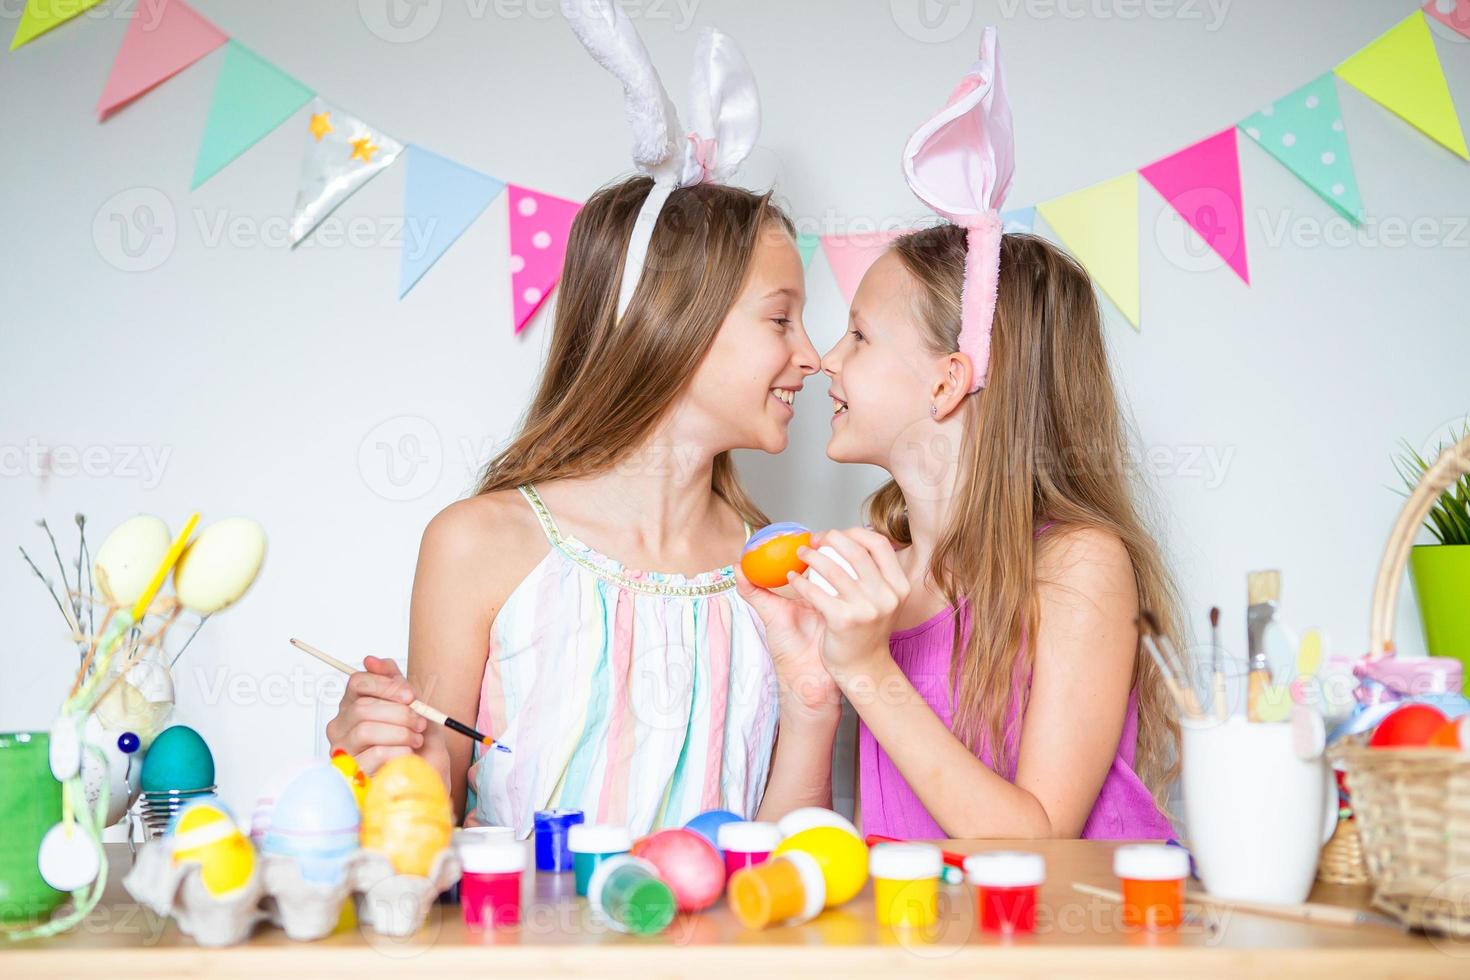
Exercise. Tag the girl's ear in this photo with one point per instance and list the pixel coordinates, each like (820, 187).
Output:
(954, 383)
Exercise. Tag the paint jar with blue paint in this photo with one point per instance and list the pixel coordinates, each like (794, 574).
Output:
(552, 827)
(593, 843)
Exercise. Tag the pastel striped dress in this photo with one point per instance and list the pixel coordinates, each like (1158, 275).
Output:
(640, 698)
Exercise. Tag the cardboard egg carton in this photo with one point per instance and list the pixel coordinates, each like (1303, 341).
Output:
(389, 903)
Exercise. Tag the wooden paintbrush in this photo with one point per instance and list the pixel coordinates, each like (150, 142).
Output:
(1217, 673)
(419, 707)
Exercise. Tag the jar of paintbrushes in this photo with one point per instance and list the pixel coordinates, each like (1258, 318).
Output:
(1259, 798)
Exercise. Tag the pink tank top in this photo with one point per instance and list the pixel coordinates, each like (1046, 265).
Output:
(1125, 810)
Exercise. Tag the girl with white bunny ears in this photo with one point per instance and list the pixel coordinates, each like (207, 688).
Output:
(982, 624)
(640, 697)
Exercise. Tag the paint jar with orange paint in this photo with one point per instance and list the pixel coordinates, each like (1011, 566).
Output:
(1153, 878)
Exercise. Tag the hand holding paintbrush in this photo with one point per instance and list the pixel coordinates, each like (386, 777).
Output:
(416, 706)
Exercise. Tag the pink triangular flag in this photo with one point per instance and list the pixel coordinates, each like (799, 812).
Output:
(849, 256)
(539, 225)
(1202, 182)
(1454, 14)
(164, 38)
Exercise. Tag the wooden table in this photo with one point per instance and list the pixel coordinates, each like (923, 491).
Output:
(1077, 935)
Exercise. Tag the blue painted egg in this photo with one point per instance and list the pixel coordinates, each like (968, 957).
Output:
(708, 824)
(316, 821)
(179, 759)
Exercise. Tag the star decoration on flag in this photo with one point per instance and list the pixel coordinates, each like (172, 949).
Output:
(321, 124)
(363, 149)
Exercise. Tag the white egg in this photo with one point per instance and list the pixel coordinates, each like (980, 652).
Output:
(128, 558)
(139, 703)
(121, 790)
(217, 568)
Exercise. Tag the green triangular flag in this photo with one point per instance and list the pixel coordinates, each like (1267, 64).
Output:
(806, 245)
(251, 98)
(42, 15)
(1304, 131)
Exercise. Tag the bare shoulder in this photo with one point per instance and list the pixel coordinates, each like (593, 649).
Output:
(492, 539)
(1088, 563)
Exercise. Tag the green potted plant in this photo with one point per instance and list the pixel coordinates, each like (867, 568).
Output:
(1441, 571)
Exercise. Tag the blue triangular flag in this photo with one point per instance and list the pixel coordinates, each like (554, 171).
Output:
(441, 199)
(1019, 220)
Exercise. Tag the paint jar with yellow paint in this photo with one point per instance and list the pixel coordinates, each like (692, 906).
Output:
(906, 884)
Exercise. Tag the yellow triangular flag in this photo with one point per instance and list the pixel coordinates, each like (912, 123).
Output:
(1401, 72)
(42, 15)
(1099, 225)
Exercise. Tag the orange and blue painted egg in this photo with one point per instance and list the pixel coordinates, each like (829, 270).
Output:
(771, 553)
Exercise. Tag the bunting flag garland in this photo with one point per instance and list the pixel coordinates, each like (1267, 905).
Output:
(1202, 182)
(849, 256)
(251, 98)
(807, 244)
(441, 199)
(539, 225)
(1454, 14)
(1304, 131)
(171, 38)
(1099, 226)
(39, 16)
(1401, 72)
(1020, 221)
(342, 154)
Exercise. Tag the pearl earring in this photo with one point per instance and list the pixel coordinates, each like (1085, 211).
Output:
(933, 411)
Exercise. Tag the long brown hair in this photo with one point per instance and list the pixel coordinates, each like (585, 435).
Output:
(1045, 442)
(608, 381)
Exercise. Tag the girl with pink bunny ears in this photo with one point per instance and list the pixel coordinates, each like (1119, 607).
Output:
(982, 624)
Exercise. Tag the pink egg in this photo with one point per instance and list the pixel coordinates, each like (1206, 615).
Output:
(688, 863)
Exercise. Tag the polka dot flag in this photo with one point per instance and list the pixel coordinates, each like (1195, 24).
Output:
(1304, 131)
(539, 225)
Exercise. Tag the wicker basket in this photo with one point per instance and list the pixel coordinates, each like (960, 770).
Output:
(1412, 806)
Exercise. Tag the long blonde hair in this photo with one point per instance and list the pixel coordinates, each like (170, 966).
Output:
(1045, 442)
(608, 381)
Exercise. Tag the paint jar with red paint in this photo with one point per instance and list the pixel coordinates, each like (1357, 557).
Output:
(1006, 884)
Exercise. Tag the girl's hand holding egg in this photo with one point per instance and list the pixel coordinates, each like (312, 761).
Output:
(860, 590)
(374, 722)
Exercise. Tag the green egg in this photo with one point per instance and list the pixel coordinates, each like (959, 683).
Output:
(178, 759)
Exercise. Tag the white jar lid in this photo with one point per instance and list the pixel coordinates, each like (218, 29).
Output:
(1005, 869)
(808, 817)
(905, 862)
(813, 885)
(483, 835)
(492, 858)
(748, 836)
(1151, 862)
(598, 838)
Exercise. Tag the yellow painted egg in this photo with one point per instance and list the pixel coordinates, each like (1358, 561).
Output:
(357, 780)
(204, 833)
(219, 565)
(129, 556)
(842, 857)
(406, 815)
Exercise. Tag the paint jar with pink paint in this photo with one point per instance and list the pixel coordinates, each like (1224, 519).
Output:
(490, 887)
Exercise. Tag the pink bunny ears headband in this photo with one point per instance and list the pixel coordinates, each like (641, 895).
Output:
(960, 164)
(724, 115)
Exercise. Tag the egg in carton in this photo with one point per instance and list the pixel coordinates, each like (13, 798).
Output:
(308, 851)
(204, 874)
(406, 859)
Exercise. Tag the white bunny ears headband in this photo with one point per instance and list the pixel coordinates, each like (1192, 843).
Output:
(960, 164)
(724, 113)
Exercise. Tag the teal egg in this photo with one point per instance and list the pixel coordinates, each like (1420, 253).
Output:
(178, 759)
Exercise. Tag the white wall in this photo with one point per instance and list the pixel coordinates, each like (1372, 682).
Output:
(268, 378)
